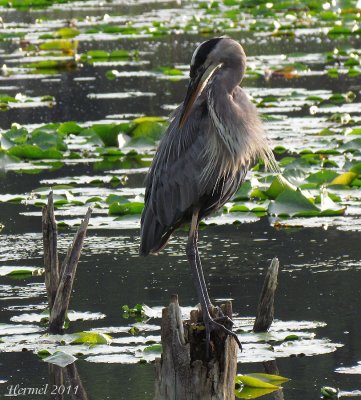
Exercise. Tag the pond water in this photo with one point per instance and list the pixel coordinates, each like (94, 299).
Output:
(301, 86)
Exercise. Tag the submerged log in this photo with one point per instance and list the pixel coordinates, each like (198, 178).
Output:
(59, 281)
(265, 309)
(183, 372)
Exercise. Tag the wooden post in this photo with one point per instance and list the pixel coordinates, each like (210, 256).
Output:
(183, 373)
(59, 281)
(265, 309)
(50, 243)
(265, 315)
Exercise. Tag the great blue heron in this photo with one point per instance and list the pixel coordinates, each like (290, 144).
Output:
(213, 138)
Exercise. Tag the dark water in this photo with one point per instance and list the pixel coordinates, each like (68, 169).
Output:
(320, 268)
(314, 285)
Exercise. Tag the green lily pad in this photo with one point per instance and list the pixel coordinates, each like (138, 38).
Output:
(66, 33)
(344, 179)
(253, 393)
(114, 198)
(44, 353)
(278, 185)
(69, 127)
(292, 203)
(108, 133)
(92, 338)
(20, 273)
(66, 46)
(323, 176)
(254, 382)
(33, 152)
(129, 208)
(155, 348)
(171, 71)
(268, 377)
(149, 129)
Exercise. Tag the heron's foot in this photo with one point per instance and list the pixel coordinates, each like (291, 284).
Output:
(218, 315)
(216, 324)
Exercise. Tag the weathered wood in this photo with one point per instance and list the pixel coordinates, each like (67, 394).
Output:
(56, 380)
(265, 309)
(183, 373)
(78, 391)
(69, 378)
(270, 367)
(265, 315)
(51, 262)
(68, 270)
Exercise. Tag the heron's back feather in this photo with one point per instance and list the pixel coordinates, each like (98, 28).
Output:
(197, 166)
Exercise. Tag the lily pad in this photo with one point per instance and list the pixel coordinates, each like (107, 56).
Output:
(253, 393)
(60, 358)
(254, 382)
(92, 338)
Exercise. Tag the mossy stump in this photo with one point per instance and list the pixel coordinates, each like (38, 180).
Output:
(183, 372)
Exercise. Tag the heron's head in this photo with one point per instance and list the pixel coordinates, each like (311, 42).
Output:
(207, 59)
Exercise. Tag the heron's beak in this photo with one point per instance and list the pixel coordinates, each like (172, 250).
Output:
(195, 87)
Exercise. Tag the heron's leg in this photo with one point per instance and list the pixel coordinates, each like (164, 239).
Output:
(200, 269)
(192, 251)
(222, 318)
(193, 258)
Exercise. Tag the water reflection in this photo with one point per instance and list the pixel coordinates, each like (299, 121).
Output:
(271, 367)
(65, 383)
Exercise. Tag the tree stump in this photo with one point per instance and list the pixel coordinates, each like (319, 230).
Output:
(59, 279)
(183, 373)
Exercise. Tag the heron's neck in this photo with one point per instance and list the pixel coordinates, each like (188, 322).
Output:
(228, 78)
(229, 126)
(219, 101)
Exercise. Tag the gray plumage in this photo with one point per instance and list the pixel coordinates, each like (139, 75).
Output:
(208, 147)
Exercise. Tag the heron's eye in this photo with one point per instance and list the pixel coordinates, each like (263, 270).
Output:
(193, 71)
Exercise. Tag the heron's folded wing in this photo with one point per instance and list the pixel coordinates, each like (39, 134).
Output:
(173, 184)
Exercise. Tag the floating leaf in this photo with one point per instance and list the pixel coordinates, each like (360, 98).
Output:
(33, 152)
(268, 377)
(329, 392)
(323, 176)
(43, 353)
(171, 71)
(291, 337)
(97, 54)
(108, 133)
(252, 393)
(20, 273)
(60, 358)
(344, 179)
(66, 46)
(278, 185)
(120, 54)
(149, 129)
(253, 382)
(91, 338)
(66, 32)
(70, 127)
(292, 202)
(129, 208)
(114, 198)
(156, 348)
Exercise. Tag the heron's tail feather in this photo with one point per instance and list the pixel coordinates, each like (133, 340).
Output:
(153, 235)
